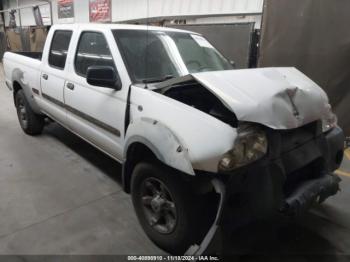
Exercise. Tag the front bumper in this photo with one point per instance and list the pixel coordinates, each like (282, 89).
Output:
(296, 173)
(297, 164)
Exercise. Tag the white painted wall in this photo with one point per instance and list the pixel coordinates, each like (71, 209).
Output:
(124, 10)
(228, 19)
(137, 9)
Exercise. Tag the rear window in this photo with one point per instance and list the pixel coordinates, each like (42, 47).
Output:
(59, 49)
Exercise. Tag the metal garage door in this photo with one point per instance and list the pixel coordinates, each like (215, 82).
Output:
(313, 36)
(232, 40)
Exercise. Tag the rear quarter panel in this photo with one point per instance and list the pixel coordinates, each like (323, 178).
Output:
(25, 71)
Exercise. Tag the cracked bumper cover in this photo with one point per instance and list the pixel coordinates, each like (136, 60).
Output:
(261, 190)
(294, 179)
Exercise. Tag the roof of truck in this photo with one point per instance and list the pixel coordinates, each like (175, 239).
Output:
(92, 26)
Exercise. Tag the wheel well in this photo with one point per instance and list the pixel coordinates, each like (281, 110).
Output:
(136, 153)
(16, 88)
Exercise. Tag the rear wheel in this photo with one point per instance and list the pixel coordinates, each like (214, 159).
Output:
(31, 123)
(166, 207)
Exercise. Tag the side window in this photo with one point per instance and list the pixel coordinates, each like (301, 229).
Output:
(59, 49)
(92, 50)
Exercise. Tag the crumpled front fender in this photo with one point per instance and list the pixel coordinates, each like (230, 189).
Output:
(166, 146)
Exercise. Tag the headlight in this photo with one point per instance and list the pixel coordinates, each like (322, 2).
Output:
(329, 120)
(250, 146)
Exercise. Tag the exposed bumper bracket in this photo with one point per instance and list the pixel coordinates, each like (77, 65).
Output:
(309, 192)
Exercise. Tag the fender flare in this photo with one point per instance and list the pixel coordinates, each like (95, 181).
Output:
(165, 145)
(18, 76)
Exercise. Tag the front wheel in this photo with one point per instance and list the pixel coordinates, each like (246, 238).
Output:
(31, 123)
(166, 207)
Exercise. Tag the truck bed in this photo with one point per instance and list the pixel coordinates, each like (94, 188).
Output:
(35, 55)
(27, 64)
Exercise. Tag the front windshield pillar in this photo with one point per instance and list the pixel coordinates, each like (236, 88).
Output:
(174, 54)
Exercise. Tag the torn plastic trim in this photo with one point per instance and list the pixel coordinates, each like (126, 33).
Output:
(211, 241)
(9, 86)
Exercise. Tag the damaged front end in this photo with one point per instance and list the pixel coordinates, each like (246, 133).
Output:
(295, 174)
(279, 98)
(287, 147)
(192, 93)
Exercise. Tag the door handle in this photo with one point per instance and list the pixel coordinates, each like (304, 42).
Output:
(45, 76)
(70, 86)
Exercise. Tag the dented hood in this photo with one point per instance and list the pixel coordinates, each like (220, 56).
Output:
(281, 98)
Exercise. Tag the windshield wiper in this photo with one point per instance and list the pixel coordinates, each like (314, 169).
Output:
(156, 80)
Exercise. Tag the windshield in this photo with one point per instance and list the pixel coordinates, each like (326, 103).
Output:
(154, 56)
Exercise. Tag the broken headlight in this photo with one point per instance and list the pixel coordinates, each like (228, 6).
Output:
(329, 120)
(250, 146)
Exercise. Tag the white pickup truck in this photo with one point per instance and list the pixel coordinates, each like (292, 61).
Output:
(202, 145)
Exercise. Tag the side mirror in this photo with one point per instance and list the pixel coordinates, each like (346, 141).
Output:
(104, 76)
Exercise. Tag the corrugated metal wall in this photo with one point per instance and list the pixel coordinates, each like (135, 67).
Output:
(234, 41)
(137, 9)
(125, 10)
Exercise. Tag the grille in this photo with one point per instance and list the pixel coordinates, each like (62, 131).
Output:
(294, 138)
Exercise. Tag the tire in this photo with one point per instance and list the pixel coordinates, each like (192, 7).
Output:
(179, 235)
(31, 123)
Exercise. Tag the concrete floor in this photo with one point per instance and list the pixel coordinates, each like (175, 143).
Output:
(59, 195)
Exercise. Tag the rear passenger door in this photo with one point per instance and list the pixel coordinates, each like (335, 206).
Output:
(95, 113)
(53, 75)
